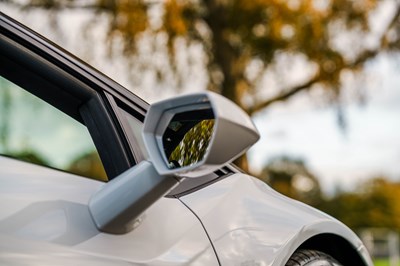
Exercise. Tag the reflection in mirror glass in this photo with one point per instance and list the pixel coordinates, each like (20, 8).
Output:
(187, 137)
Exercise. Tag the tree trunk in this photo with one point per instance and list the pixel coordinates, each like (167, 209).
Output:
(242, 163)
(228, 59)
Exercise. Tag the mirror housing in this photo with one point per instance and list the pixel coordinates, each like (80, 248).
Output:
(233, 132)
(222, 132)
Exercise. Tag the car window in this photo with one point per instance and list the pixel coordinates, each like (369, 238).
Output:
(32, 130)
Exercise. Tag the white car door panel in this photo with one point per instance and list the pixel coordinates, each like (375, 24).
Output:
(48, 207)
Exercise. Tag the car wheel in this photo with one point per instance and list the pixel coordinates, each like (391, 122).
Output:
(305, 257)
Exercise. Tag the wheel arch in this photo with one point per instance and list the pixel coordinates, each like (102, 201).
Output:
(336, 246)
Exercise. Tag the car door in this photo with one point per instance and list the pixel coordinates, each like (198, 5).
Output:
(60, 141)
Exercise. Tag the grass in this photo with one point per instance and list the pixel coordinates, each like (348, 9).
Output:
(381, 262)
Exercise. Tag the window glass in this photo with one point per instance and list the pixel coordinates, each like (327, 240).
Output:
(34, 131)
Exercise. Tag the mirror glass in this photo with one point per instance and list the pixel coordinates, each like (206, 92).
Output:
(187, 137)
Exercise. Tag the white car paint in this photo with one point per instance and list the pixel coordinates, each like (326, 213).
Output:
(44, 211)
(251, 224)
(44, 217)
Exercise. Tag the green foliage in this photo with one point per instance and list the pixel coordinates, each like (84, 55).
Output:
(30, 156)
(381, 262)
(194, 144)
(88, 165)
(375, 204)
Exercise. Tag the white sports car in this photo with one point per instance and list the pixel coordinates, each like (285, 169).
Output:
(90, 174)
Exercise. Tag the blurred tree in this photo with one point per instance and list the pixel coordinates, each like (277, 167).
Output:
(89, 165)
(291, 178)
(30, 156)
(246, 40)
(193, 146)
(375, 204)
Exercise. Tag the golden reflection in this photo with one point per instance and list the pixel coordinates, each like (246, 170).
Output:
(193, 146)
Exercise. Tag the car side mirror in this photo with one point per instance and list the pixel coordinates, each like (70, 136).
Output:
(187, 136)
(196, 134)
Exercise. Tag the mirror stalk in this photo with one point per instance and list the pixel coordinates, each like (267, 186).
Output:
(120, 202)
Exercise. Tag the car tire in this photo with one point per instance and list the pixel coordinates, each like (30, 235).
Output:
(306, 257)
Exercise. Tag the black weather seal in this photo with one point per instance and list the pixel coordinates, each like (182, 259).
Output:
(106, 138)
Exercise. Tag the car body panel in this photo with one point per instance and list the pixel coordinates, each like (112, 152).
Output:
(49, 207)
(16, 252)
(251, 224)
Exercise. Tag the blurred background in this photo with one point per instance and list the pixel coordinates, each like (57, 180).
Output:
(320, 79)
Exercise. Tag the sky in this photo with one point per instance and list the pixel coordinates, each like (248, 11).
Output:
(301, 128)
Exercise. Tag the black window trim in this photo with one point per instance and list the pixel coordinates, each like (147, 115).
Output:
(67, 61)
(116, 106)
